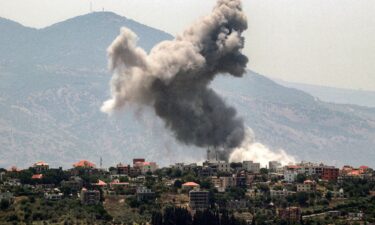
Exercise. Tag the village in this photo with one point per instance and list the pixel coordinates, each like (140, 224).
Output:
(300, 193)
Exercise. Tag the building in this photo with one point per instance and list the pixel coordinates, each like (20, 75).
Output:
(198, 199)
(273, 166)
(144, 194)
(123, 169)
(53, 195)
(307, 186)
(40, 166)
(90, 197)
(289, 214)
(84, 164)
(250, 166)
(223, 166)
(330, 174)
(290, 175)
(74, 183)
(222, 183)
(138, 160)
(281, 193)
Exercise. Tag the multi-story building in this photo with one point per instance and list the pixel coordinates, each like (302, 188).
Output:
(273, 166)
(250, 166)
(198, 199)
(122, 169)
(222, 183)
(307, 186)
(74, 183)
(90, 197)
(223, 166)
(290, 175)
(330, 174)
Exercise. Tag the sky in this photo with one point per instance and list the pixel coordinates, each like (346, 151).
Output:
(322, 42)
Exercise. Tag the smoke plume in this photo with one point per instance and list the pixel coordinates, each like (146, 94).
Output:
(174, 77)
(255, 151)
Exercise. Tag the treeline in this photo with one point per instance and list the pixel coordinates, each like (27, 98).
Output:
(181, 216)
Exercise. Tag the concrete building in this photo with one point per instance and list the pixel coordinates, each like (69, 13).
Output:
(273, 166)
(290, 175)
(144, 194)
(223, 166)
(307, 186)
(250, 166)
(198, 199)
(90, 197)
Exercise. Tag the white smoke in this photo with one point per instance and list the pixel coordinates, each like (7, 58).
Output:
(257, 152)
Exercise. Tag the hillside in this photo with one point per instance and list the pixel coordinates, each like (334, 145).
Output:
(335, 95)
(53, 81)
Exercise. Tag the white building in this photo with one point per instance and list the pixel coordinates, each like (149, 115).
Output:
(290, 176)
(250, 166)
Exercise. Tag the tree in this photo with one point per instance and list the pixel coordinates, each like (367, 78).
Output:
(329, 196)
(177, 184)
(301, 178)
(263, 171)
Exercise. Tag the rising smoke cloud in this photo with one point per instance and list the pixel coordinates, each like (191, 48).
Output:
(174, 78)
(255, 151)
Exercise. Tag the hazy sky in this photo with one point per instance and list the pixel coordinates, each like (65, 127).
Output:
(325, 42)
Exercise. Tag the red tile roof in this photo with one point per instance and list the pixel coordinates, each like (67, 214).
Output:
(41, 163)
(190, 184)
(84, 163)
(37, 176)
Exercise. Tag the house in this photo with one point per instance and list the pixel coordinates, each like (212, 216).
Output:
(53, 195)
(307, 186)
(198, 199)
(100, 183)
(144, 194)
(40, 166)
(84, 167)
(90, 197)
(74, 183)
